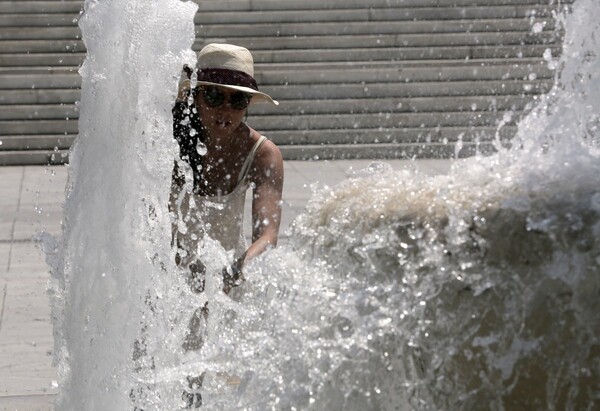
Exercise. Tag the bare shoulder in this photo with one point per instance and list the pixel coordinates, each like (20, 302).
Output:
(269, 152)
(268, 161)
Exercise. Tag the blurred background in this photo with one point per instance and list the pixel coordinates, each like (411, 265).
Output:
(356, 79)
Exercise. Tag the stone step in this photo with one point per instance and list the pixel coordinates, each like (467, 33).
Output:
(39, 70)
(331, 91)
(41, 60)
(303, 137)
(447, 135)
(312, 16)
(331, 42)
(384, 151)
(300, 152)
(265, 5)
(33, 81)
(322, 66)
(395, 105)
(240, 31)
(391, 78)
(324, 76)
(412, 90)
(53, 96)
(392, 135)
(235, 32)
(324, 55)
(36, 142)
(404, 53)
(33, 157)
(379, 41)
(406, 75)
(41, 46)
(375, 14)
(34, 7)
(305, 107)
(38, 112)
(39, 20)
(23, 127)
(385, 120)
(74, 6)
(305, 152)
(295, 122)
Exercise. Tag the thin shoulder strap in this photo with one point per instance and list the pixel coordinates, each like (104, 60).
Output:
(250, 159)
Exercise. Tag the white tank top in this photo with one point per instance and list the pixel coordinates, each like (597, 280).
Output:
(221, 217)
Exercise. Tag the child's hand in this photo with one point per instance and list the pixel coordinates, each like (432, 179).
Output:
(233, 276)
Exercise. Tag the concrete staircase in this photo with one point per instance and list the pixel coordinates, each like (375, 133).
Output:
(355, 78)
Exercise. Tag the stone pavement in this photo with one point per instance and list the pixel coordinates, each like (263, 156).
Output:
(31, 199)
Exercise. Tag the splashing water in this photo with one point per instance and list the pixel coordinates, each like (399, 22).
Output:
(479, 289)
(111, 256)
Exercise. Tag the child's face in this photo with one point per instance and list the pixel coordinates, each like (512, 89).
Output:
(221, 110)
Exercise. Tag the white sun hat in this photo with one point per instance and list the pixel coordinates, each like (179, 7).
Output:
(229, 66)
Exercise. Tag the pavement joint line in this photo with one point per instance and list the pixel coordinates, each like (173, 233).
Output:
(12, 231)
(4, 292)
(20, 240)
(3, 397)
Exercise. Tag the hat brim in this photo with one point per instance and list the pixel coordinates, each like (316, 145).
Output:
(257, 96)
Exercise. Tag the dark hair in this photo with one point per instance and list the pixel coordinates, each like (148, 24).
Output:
(188, 132)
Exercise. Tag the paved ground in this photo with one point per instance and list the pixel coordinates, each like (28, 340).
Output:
(31, 200)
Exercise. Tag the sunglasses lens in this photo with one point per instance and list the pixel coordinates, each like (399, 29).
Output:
(213, 97)
(239, 101)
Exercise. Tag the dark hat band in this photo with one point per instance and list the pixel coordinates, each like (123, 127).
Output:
(227, 77)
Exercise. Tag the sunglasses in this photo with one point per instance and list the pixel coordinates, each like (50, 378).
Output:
(213, 97)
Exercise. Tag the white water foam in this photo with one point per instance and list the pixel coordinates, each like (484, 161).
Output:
(116, 228)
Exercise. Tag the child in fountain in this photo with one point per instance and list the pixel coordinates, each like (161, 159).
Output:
(226, 157)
